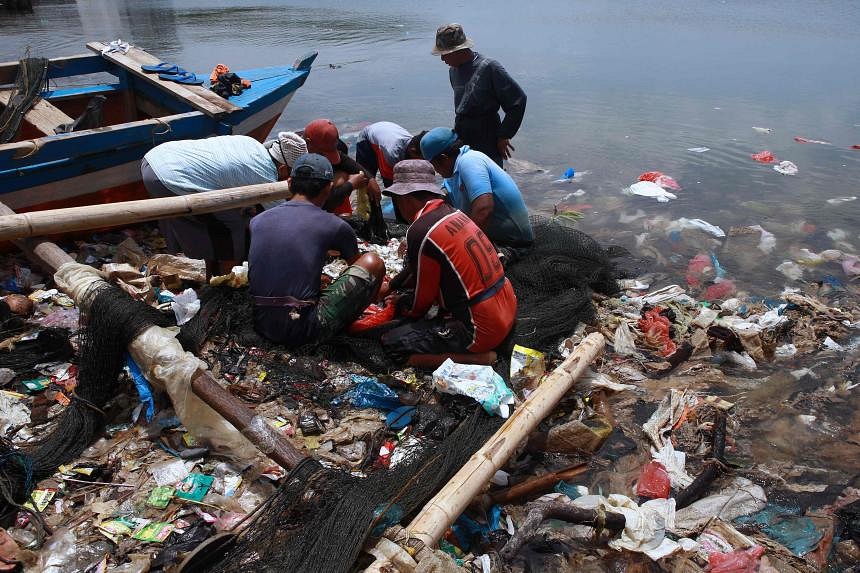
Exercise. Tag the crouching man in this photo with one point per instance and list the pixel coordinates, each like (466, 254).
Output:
(452, 263)
(289, 245)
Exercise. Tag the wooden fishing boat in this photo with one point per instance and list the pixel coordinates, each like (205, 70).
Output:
(42, 170)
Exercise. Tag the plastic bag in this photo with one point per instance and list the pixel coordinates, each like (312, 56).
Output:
(741, 561)
(142, 386)
(369, 393)
(764, 157)
(650, 189)
(653, 481)
(478, 382)
(185, 305)
(655, 327)
(786, 168)
(623, 341)
(237, 278)
(660, 179)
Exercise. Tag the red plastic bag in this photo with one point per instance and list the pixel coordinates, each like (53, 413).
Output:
(721, 290)
(764, 157)
(372, 317)
(660, 179)
(656, 327)
(740, 561)
(653, 481)
(699, 269)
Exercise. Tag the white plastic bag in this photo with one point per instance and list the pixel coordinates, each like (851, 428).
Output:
(478, 382)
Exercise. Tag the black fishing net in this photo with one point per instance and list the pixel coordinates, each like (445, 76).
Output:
(319, 522)
(554, 283)
(32, 73)
(111, 323)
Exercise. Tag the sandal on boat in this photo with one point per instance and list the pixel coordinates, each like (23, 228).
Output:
(182, 78)
(162, 68)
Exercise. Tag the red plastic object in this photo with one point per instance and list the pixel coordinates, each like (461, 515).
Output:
(764, 157)
(656, 327)
(372, 317)
(653, 481)
(855, 147)
(697, 269)
(660, 179)
(741, 561)
(720, 291)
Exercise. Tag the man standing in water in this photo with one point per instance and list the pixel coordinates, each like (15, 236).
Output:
(481, 86)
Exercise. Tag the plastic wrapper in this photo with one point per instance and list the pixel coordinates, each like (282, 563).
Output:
(742, 497)
(478, 382)
(14, 413)
(653, 481)
(527, 367)
(174, 269)
(185, 305)
(167, 366)
(369, 393)
(623, 341)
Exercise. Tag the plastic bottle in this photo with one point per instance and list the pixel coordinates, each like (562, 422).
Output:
(653, 481)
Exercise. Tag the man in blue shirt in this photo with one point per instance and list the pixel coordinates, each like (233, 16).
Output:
(480, 188)
(289, 246)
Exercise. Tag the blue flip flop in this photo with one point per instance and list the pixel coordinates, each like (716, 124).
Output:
(182, 78)
(162, 68)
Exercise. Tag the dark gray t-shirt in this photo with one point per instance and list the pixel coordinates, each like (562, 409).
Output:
(288, 250)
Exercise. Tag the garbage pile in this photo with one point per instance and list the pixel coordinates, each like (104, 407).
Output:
(717, 433)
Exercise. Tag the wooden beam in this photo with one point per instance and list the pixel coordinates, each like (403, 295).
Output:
(44, 116)
(200, 98)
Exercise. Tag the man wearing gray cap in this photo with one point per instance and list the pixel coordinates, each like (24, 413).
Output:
(289, 246)
(481, 87)
(452, 263)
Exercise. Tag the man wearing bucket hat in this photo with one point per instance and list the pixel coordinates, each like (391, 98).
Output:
(452, 263)
(481, 87)
(289, 246)
(479, 188)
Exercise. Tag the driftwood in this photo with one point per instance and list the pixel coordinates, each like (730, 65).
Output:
(564, 511)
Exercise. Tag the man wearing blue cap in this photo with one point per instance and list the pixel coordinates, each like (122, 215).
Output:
(289, 246)
(480, 188)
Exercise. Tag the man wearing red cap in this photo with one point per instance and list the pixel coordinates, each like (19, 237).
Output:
(322, 138)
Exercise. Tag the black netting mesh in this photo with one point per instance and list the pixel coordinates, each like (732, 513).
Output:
(112, 322)
(28, 85)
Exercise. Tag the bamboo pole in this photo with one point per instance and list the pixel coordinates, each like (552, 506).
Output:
(202, 384)
(40, 223)
(441, 511)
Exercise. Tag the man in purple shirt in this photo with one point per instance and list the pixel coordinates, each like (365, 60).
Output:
(289, 246)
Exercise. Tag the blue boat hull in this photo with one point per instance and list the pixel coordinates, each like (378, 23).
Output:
(103, 165)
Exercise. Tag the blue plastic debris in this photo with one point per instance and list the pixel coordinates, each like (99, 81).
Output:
(369, 393)
(385, 516)
(570, 173)
(567, 489)
(400, 418)
(143, 389)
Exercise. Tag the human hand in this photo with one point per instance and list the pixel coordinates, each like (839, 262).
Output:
(504, 146)
(358, 180)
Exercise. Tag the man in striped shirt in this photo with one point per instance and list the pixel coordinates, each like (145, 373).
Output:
(450, 263)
